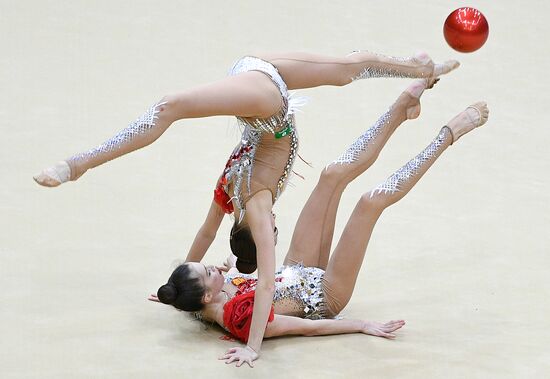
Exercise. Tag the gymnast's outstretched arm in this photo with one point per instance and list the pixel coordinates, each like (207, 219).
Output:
(206, 233)
(289, 325)
(259, 219)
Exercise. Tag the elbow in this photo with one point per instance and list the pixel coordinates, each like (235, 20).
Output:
(266, 283)
(268, 288)
(208, 233)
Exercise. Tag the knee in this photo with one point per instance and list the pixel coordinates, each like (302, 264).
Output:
(333, 176)
(373, 201)
(269, 100)
(334, 304)
(333, 308)
(173, 107)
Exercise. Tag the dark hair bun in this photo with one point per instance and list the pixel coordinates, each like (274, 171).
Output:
(167, 293)
(243, 247)
(245, 267)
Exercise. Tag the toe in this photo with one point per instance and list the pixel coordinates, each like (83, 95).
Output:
(446, 67)
(45, 180)
(452, 64)
(482, 113)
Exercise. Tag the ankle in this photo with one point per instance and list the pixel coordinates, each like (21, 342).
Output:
(76, 170)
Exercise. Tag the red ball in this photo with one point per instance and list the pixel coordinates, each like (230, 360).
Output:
(466, 29)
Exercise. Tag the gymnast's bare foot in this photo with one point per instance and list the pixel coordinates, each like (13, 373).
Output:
(415, 90)
(434, 70)
(420, 65)
(55, 175)
(472, 117)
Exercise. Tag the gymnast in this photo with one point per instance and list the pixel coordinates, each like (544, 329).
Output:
(311, 287)
(256, 92)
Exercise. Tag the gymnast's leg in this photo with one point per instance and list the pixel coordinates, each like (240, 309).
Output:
(345, 262)
(312, 238)
(304, 70)
(250, 94)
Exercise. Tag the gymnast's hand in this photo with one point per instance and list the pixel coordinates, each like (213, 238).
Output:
(229, 263)
(240, 355)
(382, 329)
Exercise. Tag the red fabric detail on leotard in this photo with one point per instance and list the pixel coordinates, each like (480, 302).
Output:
(237, 315)
(220, 195)
(245, 285)
(222, 198)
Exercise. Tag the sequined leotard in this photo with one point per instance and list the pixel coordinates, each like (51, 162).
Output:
(298, 290)
(265, 155)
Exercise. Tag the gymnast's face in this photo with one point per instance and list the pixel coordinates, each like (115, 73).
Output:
(212, 278)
